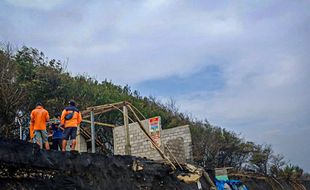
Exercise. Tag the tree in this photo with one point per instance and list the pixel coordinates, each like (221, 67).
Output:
(260, 158)
(277, 163)
(291, 172)
(11, 95)
(40, 78)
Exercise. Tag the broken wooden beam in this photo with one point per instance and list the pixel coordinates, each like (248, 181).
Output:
(100, 123)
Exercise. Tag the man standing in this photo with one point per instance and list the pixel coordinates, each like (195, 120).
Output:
(39, 117)
(31, 132)
(70, 118)
(57, 133)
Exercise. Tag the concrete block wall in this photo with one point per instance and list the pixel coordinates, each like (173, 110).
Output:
(178, 134)
(178, 140)
(175, 149)
(140, 145)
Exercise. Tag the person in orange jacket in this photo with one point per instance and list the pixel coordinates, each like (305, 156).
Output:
(39, 117)
(31, 132)
(70, 119)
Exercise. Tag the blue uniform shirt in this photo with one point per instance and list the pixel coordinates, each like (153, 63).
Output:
(57, 132)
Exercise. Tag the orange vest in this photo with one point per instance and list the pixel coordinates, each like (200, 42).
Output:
(74, 121)
(39, 117)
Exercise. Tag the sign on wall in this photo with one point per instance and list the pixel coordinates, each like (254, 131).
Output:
(155, 128)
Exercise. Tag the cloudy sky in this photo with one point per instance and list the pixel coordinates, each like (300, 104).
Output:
(243, 65)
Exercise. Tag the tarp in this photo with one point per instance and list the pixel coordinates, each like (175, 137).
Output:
(221, 174)
(234, 184)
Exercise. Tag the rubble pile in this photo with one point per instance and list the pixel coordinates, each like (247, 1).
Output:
(24, 166)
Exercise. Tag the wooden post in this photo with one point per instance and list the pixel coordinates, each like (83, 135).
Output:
(92, 127)
(126, 127)
(162, 154)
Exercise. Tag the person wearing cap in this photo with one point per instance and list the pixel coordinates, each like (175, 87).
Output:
(39, 116)
(57, 133)
(70, 119)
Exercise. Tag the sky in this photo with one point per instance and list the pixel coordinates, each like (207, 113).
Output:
(242, 65)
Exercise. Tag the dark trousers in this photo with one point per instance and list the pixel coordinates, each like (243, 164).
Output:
(56, 144)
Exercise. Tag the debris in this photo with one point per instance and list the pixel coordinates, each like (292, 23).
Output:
(24, 166)
(189, 178)
(137, 166)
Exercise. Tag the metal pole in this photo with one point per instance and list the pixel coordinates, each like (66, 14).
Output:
(20, 130)
(126, 126)
(92, 126)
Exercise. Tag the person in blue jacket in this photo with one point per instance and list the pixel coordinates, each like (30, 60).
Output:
(57, 133)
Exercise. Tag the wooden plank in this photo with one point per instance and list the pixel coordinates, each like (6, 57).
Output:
(105, 106)
(86, 134)
(86, 113)
(100, 124)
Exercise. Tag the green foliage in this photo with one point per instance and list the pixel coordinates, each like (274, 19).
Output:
(260, 158)
(217, 147)
(291, 172)
(40, 78)
(277, 164)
